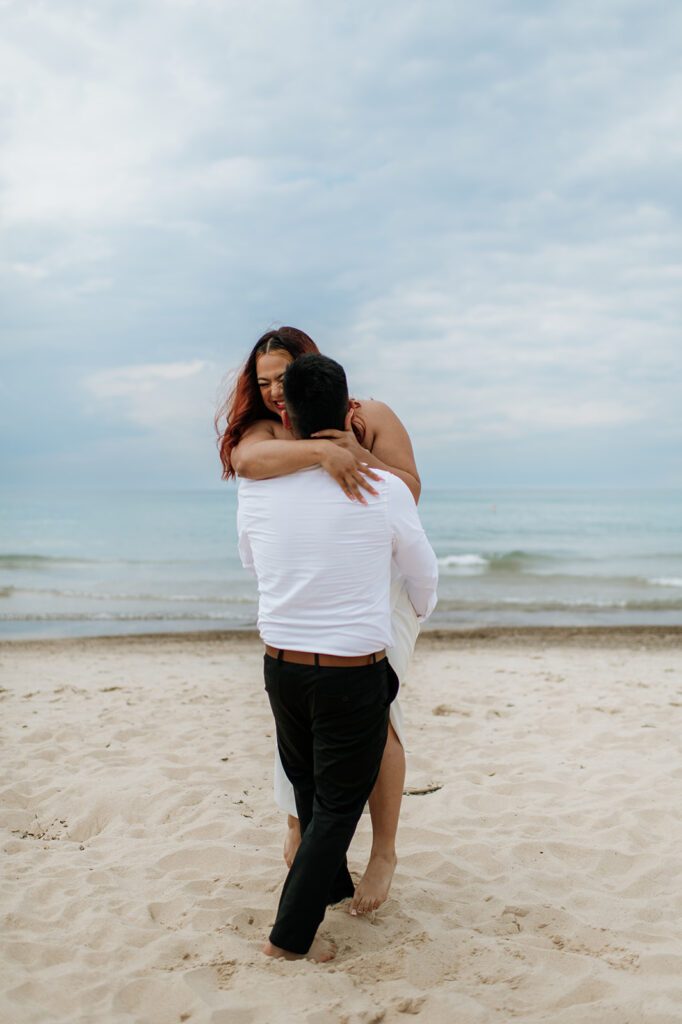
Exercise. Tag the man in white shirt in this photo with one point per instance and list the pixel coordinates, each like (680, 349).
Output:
(323, 565)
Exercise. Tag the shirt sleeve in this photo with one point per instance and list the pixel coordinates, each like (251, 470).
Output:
(412, 552)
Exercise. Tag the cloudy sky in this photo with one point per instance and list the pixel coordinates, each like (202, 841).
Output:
(475, 207)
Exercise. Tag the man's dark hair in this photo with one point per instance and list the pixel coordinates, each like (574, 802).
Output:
(315, 394)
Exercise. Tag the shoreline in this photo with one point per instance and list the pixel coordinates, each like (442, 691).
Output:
(456, 636)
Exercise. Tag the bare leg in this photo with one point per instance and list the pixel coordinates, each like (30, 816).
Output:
(292, 840)
(321, 951)
(384, 809)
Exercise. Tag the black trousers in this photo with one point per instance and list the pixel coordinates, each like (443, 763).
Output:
(332, 725)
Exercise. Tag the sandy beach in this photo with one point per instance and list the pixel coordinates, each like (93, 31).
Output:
(540, 873)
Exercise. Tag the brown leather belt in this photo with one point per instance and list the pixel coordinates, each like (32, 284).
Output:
(325, 660)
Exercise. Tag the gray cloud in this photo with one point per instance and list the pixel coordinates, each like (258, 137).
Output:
(475, 209)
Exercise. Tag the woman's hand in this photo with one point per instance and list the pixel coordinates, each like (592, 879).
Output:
(345, 467)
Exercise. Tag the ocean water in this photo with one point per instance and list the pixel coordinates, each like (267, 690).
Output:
(97, 563)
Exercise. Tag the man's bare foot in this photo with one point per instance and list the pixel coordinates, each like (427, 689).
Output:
(292, 840)
(372, 889)
(321, 951)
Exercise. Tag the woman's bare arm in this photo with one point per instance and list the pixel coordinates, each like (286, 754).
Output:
(391, 445)
(388, 443)
(263, 452)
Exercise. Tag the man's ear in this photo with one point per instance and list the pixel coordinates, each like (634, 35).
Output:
(348, 420)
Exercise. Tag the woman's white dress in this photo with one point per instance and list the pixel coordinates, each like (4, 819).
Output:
(405, 628)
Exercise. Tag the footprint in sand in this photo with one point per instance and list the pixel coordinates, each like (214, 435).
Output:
(412, 1004)
(251, 921)
(168, 914)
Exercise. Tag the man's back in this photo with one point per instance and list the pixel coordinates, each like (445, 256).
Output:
(324, 562)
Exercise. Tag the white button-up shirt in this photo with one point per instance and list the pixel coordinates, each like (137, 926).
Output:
(323, 562)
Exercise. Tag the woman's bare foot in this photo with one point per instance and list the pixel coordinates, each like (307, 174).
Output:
(321, 951)
(292, 840)
(372, 889)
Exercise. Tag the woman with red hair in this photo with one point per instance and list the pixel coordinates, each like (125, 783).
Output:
(256, 442)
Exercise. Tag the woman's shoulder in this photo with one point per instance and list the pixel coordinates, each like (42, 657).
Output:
(372, 409)
(265, 430)
(380, 422)
(375, 414)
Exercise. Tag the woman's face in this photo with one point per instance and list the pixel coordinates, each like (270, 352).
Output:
(270, 369)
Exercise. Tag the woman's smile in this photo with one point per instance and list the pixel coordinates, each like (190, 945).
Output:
(270, 369)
